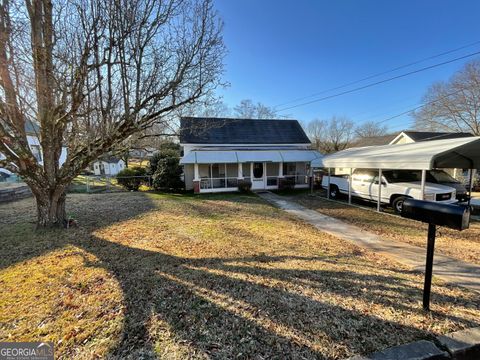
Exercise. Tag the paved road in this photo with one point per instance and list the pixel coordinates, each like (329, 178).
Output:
(449, 269)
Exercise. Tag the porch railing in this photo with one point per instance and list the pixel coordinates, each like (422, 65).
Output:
(219, 183)
(272, 180)
(232, 182)
(299, 179)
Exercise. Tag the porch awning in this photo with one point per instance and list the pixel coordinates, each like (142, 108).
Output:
(259, 156)
(243, 156)
(426, 155)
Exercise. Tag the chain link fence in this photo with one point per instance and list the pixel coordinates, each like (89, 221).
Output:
(98, 184)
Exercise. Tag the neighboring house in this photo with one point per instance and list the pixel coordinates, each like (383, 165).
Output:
(143, 153)
(33, 130)
(219, 152)
(406, 137)
(373, 140)
(108, 165)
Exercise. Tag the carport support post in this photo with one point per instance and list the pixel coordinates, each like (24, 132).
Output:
(429, 266)
(328, 183)
(470, 185)
(311, 179)
(379, 189)
(350, 187)
(424, 179)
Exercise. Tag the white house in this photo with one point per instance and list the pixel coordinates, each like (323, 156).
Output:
(32, 131)
(219, 152)
(108, 165)
(407, 137)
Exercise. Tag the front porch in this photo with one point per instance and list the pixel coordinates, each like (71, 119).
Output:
(222, 177)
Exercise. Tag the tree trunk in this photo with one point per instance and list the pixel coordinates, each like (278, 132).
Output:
(51, 208)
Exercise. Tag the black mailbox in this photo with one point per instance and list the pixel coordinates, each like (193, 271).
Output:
(448, 215)
(452, 216)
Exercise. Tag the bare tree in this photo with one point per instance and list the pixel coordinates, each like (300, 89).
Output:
(247, 109)
(213, 108)
(331, 135)
(370, 129)
(316, 130)
(453, 105)
(91, 73)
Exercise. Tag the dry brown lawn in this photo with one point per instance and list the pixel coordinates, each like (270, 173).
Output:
(221, 276)
(463, 245)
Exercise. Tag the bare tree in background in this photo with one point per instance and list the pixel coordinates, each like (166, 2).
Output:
(316, 131)
(91, 73)
(247, 109)
(453, 105)
(331, 135)
(370, 129)
(213, 108)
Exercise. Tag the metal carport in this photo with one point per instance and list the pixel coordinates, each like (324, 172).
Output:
(427, 155)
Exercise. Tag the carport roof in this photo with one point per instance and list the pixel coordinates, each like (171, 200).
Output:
(451, 153)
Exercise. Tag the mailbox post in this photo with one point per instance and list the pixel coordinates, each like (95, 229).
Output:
(452, 216)
(432, 229)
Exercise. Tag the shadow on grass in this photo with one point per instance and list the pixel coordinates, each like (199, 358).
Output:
(234, 307)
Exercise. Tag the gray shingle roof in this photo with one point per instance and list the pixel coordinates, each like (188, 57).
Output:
(430, 135)
(109, 159)
(373, 140)
(195, 130)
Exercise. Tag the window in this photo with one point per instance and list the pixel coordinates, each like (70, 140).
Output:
(257, 170)
(218, 170)
(272, 169)
(289, 168)
(37, 152)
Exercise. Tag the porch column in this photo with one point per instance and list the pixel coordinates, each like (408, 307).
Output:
(196, 179)
(280, 169)
(424, 180)
(240, 171)
(196, 175)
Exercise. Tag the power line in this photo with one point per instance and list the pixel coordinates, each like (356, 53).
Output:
(379, 74)
(380, 82)
(417, 107)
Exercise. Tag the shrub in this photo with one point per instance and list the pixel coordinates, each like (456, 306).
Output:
(168, 174)
(244, 186)
(158, 157)
(129, 178)
(286, 184)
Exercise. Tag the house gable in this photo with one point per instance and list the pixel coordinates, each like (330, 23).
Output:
(406, 137)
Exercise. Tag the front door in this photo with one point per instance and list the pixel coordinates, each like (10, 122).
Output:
(258, 178)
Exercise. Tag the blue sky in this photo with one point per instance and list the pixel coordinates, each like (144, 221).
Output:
(282, 50)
